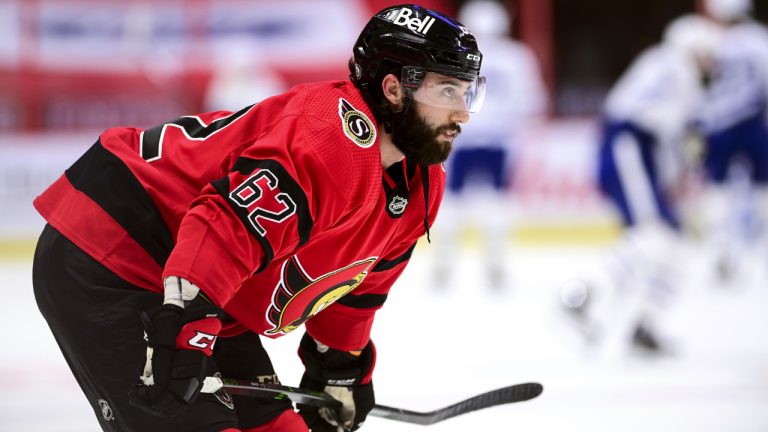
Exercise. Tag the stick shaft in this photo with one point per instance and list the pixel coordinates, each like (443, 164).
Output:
(505, 395)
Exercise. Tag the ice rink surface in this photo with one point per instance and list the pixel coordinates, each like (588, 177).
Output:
(438, 346)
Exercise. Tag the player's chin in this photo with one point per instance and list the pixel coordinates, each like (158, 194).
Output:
(434, 152)
(447, 141)
(446, 146)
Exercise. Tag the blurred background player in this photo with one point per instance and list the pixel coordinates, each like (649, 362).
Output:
(241, 78)
(645, 121)
(478, 171)
(734, 123)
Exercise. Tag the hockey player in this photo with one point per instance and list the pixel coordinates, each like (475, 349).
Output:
(169, 252)
(734, 121)
(479, 168)
(646, 117)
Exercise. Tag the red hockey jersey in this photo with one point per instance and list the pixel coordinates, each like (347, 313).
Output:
(281, 212)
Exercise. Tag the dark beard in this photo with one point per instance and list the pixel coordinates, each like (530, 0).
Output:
(417, 140)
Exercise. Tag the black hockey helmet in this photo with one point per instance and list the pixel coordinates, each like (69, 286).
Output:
(408, 41)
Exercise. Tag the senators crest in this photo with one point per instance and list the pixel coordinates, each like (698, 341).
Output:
(298, 296)
(357, 126)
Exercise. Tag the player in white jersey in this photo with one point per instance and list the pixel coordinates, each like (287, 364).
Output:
(645, 120)
(734, 121)
(478, 171)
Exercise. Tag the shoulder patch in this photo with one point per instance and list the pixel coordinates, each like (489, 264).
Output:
(357, 126)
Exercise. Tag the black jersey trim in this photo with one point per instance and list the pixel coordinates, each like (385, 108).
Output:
(288, 185)
(108, 181)
(384, 265)
(363, 301)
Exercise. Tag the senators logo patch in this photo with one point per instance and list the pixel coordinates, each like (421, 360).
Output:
(298, 296)
(357, 126)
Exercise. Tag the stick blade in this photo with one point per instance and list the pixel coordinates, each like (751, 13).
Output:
(504, 395)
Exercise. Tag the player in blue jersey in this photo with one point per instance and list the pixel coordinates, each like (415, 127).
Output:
(646, 118)
(734, 122)
(478, 171)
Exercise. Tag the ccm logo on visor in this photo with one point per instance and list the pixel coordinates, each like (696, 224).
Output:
(403, 18)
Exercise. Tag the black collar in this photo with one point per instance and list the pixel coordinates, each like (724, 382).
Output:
(396, 182)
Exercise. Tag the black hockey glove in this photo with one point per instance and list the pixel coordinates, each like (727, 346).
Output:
(179, 348)
(344, 376)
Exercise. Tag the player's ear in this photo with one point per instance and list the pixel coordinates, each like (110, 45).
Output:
(392, 91)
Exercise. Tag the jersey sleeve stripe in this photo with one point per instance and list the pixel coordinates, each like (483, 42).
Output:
(384, 265)
(106, 180)
(363, 301)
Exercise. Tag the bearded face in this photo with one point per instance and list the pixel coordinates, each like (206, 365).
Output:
(419, 140)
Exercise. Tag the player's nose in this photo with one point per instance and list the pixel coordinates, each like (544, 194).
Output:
(460, 115)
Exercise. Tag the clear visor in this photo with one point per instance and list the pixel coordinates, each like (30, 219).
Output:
(458, 92)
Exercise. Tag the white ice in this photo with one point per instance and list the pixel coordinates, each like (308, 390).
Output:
(438, 347)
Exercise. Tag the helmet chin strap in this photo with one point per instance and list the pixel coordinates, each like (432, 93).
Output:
(425, 185)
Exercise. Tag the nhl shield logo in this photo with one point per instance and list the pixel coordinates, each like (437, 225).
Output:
(357, 126)
(106, 410)
(397, 205)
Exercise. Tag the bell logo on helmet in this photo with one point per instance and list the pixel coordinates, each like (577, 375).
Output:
(403, 18)
(473, 57)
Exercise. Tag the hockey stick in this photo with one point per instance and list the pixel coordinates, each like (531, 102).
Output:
(505, 395)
